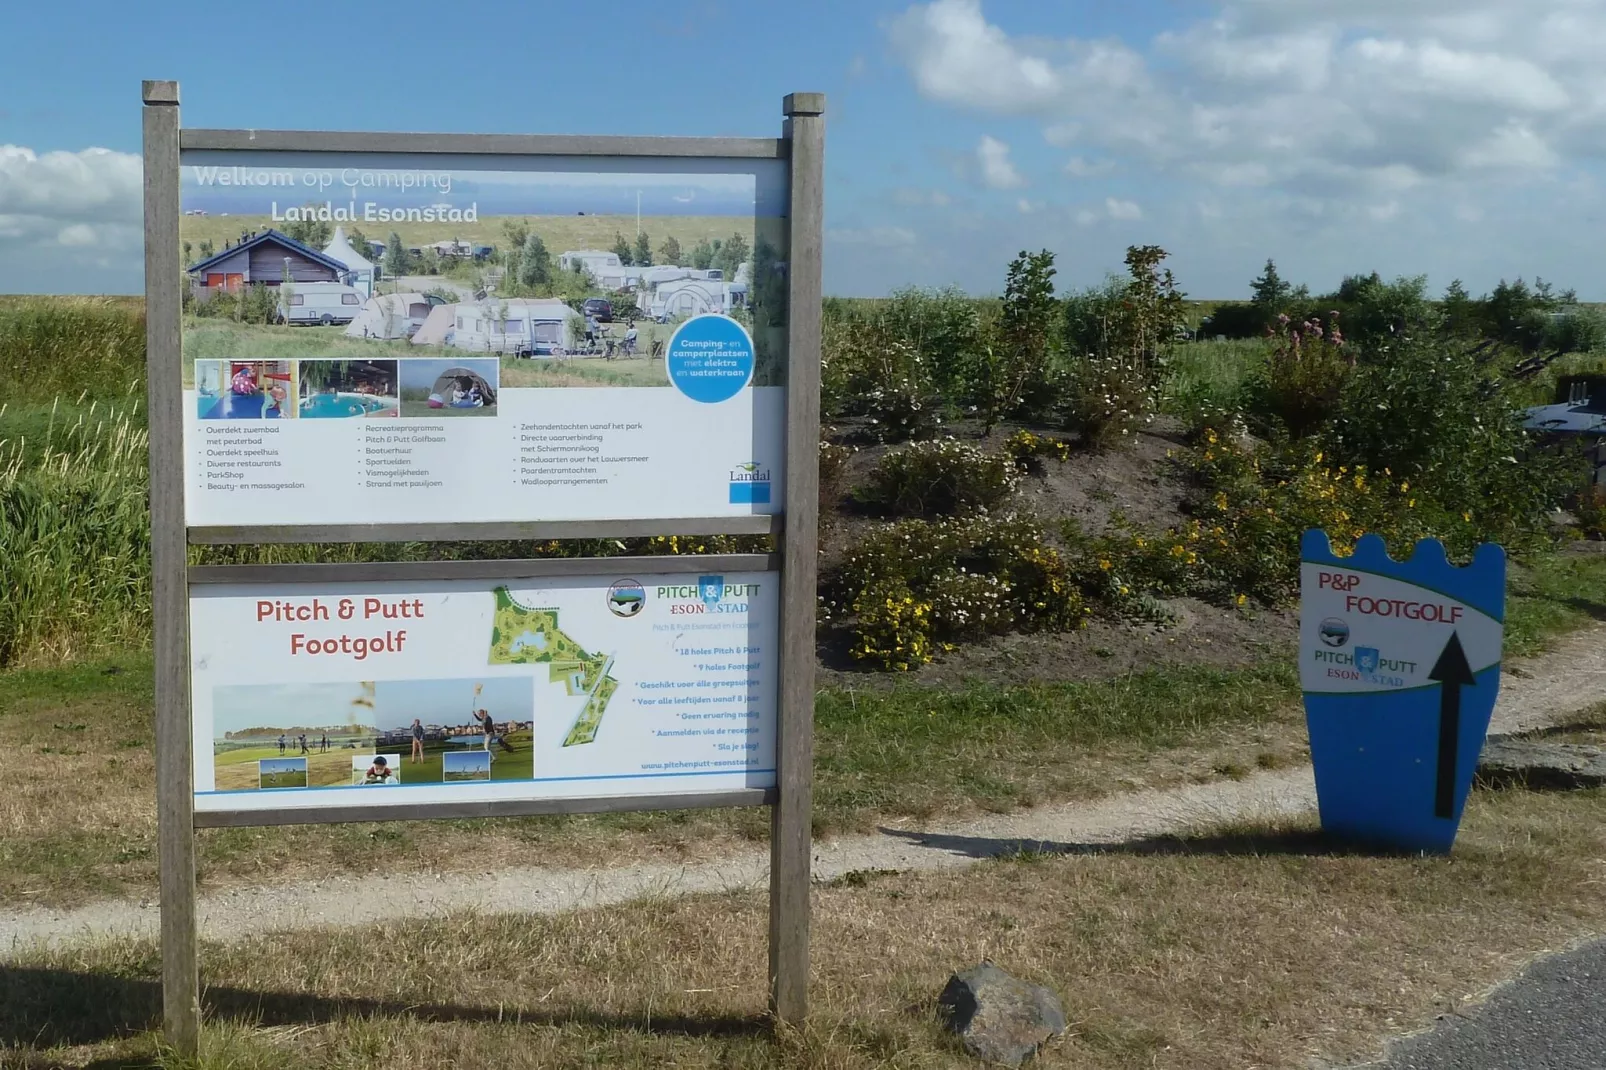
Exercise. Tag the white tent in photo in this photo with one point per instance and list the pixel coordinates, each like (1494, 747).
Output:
(361, 268)
(390, 316)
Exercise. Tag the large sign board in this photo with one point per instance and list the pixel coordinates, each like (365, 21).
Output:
(401, 338)
(308, 695)
(454, 337)
(1399, 662)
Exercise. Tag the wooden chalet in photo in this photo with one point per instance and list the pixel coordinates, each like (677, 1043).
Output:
(261, 258)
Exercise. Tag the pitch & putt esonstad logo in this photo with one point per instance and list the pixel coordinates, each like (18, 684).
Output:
(750, 484)
(626, 598)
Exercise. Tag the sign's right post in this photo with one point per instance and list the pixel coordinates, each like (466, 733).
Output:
(1399, 662)
(791, 821)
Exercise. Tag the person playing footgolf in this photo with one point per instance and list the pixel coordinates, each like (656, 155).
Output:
(418, 740)
(281, 743)
(487, 726)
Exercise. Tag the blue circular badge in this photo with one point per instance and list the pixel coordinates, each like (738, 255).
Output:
(710, 358)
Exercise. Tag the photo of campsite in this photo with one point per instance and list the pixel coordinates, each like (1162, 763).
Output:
(562, 277)
(438, 388)
(245, 389)
(423, 730)
(344, 389)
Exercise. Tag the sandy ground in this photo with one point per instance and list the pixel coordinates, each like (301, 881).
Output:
(1537, 693)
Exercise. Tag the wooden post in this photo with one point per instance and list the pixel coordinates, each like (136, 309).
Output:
(175, 799)
(791, 838)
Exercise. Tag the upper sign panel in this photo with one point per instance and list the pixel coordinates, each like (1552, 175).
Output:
(422, 339)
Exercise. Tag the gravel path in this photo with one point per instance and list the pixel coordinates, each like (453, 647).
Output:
(1547, 1019)
(1538, 693)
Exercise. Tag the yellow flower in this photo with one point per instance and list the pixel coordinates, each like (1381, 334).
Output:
(1242, 599)
(1405, 486)
(1105, 564)
(1467, 517)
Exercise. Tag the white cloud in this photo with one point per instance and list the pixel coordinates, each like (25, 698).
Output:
(1081, 167)
(997, 169)
(956, 56)
(70, 220)
(1113, 209)
(1124, 210)
(1332, 99)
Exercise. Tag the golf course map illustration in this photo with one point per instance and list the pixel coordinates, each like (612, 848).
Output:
(521, 635)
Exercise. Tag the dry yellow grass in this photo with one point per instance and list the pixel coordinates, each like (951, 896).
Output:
(1250, 949)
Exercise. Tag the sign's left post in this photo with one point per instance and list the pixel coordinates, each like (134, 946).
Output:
(175, 798)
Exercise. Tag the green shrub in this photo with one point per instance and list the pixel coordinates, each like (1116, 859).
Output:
(1119, 339)
(1448, 421)
(1298, 390)
(943, 478)
(866, 370)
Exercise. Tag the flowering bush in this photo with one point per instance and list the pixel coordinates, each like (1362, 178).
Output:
(941, 478)
(1109, 396)
(893, 627)
(962, 578)
(1029, 450)
(866, 370)
(1299, 389)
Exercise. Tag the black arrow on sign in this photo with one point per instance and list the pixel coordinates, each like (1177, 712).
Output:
(1453, 673)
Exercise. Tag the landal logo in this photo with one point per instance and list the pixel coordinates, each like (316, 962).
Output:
(709, 588)
(750, 484)
(626, 598)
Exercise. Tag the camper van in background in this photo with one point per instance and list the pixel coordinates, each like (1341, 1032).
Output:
(322, 303)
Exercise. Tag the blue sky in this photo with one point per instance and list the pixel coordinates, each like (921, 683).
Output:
(1456, 138)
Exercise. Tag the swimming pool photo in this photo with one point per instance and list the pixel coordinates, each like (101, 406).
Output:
(346, 389)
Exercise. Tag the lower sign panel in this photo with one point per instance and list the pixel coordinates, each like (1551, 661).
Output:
(323, 695)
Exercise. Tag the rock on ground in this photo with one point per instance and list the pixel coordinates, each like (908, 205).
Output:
(1000, 1018)
(1538, 764)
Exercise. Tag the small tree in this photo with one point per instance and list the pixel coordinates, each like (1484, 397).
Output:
(517, 231)
(535, 263)
(395, 256)
(702, 255)
(1270, 291)
(621, 249)
(313, 233)
(207, 249)
(669, 251)
(643, 250)
(732, 255)
(1011, 371)
(188, 253)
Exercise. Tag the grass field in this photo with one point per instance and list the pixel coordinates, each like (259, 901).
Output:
(1250, 946)
(284, 780)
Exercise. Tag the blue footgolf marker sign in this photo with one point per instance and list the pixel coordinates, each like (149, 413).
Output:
(710, 358)
(1400, 665)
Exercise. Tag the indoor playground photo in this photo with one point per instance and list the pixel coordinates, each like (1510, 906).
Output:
(245, 389)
